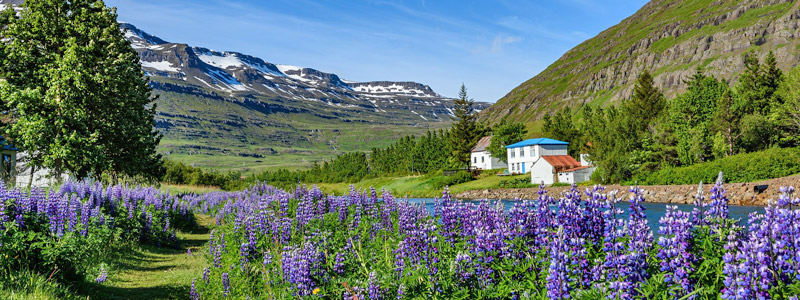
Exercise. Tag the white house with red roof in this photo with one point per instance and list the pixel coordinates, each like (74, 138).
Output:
(481, 159)
(548, 162)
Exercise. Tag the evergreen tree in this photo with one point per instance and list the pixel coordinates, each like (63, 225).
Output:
(93, 111)
(646, 102)
(465, 131)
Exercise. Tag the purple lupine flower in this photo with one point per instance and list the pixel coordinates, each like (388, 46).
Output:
(374, 288)
(226, 284)
(103, 275)
(558, 279)
(206, 272)
(675, 253)
(300, 265)
(641, 239)
(193, 294)
(338, 265)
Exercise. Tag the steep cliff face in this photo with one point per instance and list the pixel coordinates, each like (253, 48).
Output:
(671, 38)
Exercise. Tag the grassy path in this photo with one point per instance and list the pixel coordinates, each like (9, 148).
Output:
(158, 273)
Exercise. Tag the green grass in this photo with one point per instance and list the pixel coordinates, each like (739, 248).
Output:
(157, 273)
(26, 285)
(421, 185)
(175, 189)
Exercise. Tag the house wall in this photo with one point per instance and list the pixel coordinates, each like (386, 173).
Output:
(541, 171)
(584, 174)
(553, 149)
(566, 177)
(483, 160)
(527, 155)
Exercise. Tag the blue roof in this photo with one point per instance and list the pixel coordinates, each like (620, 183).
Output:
(539, 141)
(6, 145)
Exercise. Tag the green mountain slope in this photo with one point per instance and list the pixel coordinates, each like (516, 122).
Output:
(670, 38)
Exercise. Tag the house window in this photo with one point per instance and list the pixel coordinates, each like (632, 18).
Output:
(513, 153)
(522, 152)
(481, 159)
(533, 151)
(474, 160)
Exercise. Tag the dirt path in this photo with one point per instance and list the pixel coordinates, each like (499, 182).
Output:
(158, 273)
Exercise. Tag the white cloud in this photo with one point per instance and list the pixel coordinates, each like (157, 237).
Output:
(501, 40)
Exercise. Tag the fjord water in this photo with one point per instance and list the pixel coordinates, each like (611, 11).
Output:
(654, 211)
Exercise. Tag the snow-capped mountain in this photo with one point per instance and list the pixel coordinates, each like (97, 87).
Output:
(215, 103)
(236, 75)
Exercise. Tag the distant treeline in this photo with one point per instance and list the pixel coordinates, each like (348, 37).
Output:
(180, 173)
(409, 155)
(710, 121)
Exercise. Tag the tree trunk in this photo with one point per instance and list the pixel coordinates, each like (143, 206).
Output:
(30, 180)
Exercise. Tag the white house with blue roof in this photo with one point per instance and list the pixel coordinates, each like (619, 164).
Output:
(547, 160)
(521, 156)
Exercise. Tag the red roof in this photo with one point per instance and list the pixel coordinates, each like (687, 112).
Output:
(482, 144)
(575, 169)
(561, 162)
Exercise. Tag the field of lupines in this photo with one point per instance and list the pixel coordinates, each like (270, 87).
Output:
(273, 244)
(270, 243)
(69, 234)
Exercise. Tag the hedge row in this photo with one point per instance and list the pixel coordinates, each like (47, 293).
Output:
(746, 167)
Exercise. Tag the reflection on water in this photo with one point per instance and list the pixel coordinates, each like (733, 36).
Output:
(654, 211)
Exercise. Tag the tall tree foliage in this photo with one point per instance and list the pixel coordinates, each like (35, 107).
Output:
(787, 113)
(90, 109)
(465, 131)
(690, 115)
(560, 126)
(505, 133)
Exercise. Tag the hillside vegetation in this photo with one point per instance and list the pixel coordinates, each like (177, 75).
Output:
(670, 38)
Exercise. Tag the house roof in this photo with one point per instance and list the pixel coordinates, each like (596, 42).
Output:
(482, 144)
(6, 145)
(539, 141)
(575, 169)
(561, 162)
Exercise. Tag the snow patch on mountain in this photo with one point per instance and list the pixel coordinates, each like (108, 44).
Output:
(160, 65)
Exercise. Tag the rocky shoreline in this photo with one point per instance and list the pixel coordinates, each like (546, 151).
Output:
(738, 193)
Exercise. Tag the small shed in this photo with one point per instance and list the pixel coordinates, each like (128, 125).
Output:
(8, 162)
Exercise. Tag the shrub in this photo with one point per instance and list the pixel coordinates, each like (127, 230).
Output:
(457, 178)
(746, 167)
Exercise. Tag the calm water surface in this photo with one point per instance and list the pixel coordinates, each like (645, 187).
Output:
(654, 211)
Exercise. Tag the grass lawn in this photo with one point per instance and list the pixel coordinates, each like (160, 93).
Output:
(175, 189)
(419, 186)
(158, 273)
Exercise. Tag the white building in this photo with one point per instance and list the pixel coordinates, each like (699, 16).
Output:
(523, 155)
(547, 161)
(480, 158)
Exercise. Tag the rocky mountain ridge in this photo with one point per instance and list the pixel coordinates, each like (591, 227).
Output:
(671, 38)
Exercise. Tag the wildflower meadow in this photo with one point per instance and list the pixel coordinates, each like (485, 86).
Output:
(270, 243)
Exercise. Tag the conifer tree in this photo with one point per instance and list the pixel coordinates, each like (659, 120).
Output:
(92, 111)
(646, 102)
(465, 131)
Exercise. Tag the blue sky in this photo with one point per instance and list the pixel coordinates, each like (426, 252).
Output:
(490, 46)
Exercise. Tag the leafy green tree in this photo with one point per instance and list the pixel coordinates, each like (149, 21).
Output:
(561, 126)
(504, 134)
(726, 120)
(91, 110)
(690, 115)
(787, 114)
(465, 131)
